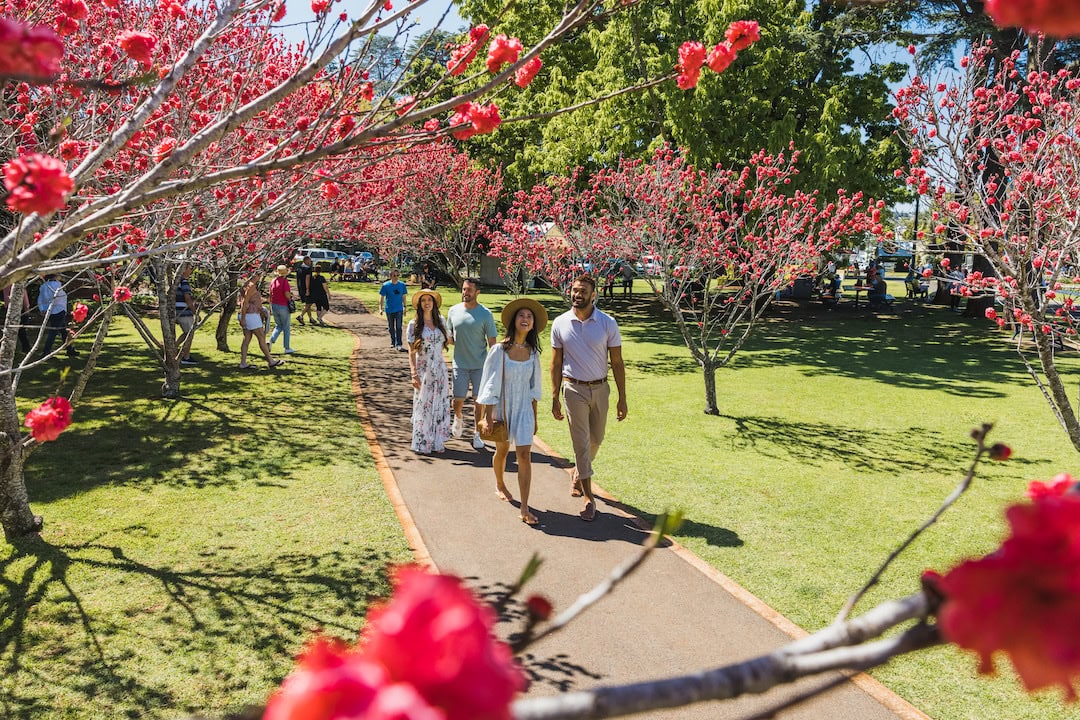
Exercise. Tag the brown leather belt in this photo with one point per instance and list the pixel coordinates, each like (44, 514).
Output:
(584, 382)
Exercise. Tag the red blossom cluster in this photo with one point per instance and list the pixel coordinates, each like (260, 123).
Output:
(30, 52)
(1024, 598)
(427, 654)
(1060, 18)
(740, 35)
(477, 118)
(37, 184)
(49, 419)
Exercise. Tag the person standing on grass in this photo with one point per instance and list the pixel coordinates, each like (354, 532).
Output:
(185, 312)
(53, 302)
(472, 330)
(280, 295)
(303, 288)
(318, 294)
(511, 387)
(251, 317)
(584, 340)
(627, 273)
(392, 296)
(427, 338)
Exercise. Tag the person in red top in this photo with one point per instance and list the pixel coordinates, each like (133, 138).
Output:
(280, 297)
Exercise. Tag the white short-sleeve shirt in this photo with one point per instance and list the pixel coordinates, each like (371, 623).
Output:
(585, 343)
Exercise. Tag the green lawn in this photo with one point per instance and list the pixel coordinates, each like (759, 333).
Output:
(192, 545)
(839, 433)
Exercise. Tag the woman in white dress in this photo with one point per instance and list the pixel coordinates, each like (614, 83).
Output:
(426, 337)
(252, 319)
(509, 390)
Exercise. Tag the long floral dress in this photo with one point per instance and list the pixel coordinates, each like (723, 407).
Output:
(431, 403)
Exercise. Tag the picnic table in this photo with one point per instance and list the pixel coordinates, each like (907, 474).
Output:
(860, 289)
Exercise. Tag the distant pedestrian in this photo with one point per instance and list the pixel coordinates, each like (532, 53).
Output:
(303, 289)
(24, 316)
(428, 338)
(472, 331)
(52, 302)
(511, 387)
(427, 277)
(185, 313)
(252, 318)
(280, 297)
(583, 342)
(319, 293)
(392, 296)
(627, 273)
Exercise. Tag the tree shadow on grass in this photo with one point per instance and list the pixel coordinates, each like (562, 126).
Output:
(229, 622)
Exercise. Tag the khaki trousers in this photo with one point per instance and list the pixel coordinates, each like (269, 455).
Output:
(586, 409)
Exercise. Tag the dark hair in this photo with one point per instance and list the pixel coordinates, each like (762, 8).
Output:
(475, 282)
(436, 318)
(586, 279)
(532, 339)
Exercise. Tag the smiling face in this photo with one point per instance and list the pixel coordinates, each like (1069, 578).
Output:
(524, 320)
(582, 295)
(469, 291)
(427, 303)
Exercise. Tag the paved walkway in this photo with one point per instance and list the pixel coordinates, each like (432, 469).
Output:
(674, 615)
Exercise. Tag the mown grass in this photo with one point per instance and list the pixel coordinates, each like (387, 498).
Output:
(192, 546)
(840, 431)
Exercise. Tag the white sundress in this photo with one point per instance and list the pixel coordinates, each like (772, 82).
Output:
(431, 403)
(523, 385)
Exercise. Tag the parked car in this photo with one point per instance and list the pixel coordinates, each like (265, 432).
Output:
(319, 256)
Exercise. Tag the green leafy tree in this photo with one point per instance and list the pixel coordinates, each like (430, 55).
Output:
(804, 87)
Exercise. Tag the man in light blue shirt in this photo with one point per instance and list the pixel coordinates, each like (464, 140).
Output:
(53, 302)
(472, 329)
(392, 297)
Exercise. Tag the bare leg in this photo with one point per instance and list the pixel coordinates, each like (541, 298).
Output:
(478, 409)
(459, 404)
(498, 464)
(524, 459)
(260, 334)
(244, 346)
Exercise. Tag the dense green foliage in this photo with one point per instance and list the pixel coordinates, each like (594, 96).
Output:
(798, 84)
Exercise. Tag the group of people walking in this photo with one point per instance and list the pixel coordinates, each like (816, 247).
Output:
(506, 378)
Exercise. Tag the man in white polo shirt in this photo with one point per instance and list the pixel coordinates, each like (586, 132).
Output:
(584, 340)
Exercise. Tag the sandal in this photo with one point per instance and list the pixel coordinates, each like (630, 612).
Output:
(589, 513)
(530, 519)
(245, 366)
(275, 363)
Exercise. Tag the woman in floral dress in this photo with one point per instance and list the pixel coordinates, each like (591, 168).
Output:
(426, 337)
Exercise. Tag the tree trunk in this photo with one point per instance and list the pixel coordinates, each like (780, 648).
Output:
(708, 367)
(15, 514)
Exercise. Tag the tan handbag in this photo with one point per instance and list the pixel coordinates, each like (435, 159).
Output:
(498, 431)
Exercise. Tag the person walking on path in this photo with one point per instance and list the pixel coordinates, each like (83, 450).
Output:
(52, 302)
(472, 330)
(392, 297)
(512, 385)
(280, 296)
(185, 313)
(583, 341)
(318, 294)
(427, 338)
(303, 288)
(252, 320)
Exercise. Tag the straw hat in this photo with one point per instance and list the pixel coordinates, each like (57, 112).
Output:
(282, 269)
(420, 293)
(540, 315)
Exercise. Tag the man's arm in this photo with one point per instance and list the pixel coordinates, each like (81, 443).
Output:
(556, 383)
(382, 300)
(618, 370)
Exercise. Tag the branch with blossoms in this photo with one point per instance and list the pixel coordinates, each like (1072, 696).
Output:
(1018, 600)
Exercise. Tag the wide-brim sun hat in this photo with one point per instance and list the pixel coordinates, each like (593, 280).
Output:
(540, 316)
(421, 293)
(282, 270)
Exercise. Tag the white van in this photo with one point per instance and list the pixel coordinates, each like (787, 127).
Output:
(319, 256)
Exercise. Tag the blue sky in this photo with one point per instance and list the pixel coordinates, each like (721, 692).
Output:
(426, 15)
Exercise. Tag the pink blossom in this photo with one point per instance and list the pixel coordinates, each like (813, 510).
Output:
(1055, 487)
(502, 50)
(742, 34)
(1053, 17)
(319, 6)
(139, 46)
(78, 313)
(49, 419)
(121, 294)
(525, 74)
(164, 149)
(30, 51)
(691, 58)
(37, 183)
(720, 57)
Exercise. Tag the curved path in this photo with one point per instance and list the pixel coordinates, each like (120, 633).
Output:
(674, 615)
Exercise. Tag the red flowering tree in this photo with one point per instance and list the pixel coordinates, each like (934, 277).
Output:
(440, 205)
(723, 242)
(134, 129)
(1000, 161)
